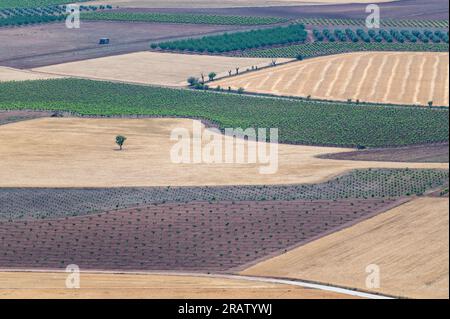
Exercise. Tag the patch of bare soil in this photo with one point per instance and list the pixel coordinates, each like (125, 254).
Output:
(432, 153)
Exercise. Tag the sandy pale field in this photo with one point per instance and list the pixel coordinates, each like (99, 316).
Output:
(30, 285)
(154, 68)
(385, 77)
(409, 244)
(221, 3)
(76, 152)
(10, 74)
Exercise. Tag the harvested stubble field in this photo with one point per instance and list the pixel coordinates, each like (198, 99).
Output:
(409, 243)
(10, 74)
(179, 237)
(77, 152)
(43, 203)
(164, 69)
(432, 153)
(397, 78)
(299, 121)
(40, 45)
(38, 285)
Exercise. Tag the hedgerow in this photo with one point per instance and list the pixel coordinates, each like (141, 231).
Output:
(299, 122)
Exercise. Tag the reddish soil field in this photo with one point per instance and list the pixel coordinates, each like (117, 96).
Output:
(40, 45)
(191, 237)
(433, 153)
(16, 116)
(403, 9)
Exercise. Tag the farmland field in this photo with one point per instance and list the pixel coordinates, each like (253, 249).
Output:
(396, 78)
(392, 10)
(74, 152)
(315, 49)
(431, 153)
(40, 45)
(53, 203)
(47, 285)
(179, 237)
(223, 149)
(218, 3)
(409, 243)
(10, 74)
(300, 122)
(32, 3)
(181, 18)
(154, 68)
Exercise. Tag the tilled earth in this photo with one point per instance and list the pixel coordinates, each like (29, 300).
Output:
(190, 237)
(40, 45)
(432, 153)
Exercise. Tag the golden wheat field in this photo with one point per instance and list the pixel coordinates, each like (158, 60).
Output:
(10, 74)
(80, 152)
(32, 285)
(409, 244)
(384, 77)
(155, 68)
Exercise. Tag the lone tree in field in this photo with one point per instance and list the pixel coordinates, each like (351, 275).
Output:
(120, 140)
(212, 75)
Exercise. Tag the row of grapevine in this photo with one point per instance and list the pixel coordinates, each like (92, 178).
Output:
(301, 121)
(182, 18)
(28, 20)
(315, 49)
(380, 36)
(34, 3)
(239, 41)
(397, 23)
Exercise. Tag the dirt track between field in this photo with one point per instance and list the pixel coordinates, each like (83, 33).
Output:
(33, 285)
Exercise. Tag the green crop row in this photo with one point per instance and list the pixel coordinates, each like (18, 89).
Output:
(19, 21)
(299, 122)
(394, 23)
(315, 49)
(182, 18)
(239, 40)
(33, 3)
